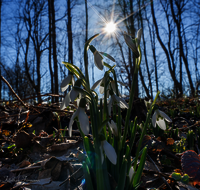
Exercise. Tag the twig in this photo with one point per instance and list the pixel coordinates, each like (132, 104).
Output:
(70, 176)
(26, 168)
(2, 78)
(164, 180)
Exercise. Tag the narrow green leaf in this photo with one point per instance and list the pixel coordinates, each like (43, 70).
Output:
(140, 168)
(122, 177)
(133, 132)
(103, 124)
(87, 175)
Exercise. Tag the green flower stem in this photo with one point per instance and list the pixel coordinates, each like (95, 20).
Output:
(130, 105)
(133, 132)
(138, 61)
(144, 130)
(105, 106)
(122, 178)
(97, 144)
(119, 110)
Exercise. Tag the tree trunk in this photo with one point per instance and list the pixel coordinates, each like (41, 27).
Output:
(182, 54)
(54, 50)
(50, 47)
(0, 48)
(132, 32)
(69, 34)
(172, 71)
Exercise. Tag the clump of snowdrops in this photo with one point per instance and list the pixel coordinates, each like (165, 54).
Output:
(108, 157)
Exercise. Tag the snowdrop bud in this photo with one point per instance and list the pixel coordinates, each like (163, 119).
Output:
(131, 172)
(139, 34)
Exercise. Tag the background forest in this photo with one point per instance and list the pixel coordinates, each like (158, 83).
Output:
(37, 35)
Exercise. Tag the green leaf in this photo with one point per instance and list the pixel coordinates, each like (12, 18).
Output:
(87, 175)
(133, 132)
(122, 177)
(140, 168)
(90, 151)
(103, 124)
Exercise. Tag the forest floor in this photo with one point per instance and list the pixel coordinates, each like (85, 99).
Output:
(37, 153)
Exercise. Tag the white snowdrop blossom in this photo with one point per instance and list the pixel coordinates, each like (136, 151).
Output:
(70, 97)
(83, 120)
(101, 88)
(120, 102)
(98, 58)
(65, 83)
(113, 127)
(159, 117)
(148, 104)
(139, 34)
(131, 44)
(109, 151)
(131, 172)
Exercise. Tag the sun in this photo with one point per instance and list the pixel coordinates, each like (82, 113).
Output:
(110, 27)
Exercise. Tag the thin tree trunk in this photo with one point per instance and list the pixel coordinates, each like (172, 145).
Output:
(132, 32)
(50, 47)
(182, 54)
(54, 50)
(69, 34)
(145, 53)
(172, 71)
(0, 47)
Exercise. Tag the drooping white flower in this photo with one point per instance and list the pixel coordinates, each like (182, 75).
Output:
(113, 128)
(98, 59)
(66, 101)
(158, 117)
(139, 34)
(131, 172)
(148, 104)
(83, 120)
(73, 94)
(65, 83)
(120, 102)
(109, 151)
(131, 44)
(101, 87)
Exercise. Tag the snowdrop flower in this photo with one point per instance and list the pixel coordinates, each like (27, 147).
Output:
(148, 104)
(133, 44)
(131, 172)
(71, 96)
(82, 118)
(120, 102)
(66, 81)
(101, 88)
(113, 128)
(158, 117)
(139, 34)
(109, 151)
(98, 59)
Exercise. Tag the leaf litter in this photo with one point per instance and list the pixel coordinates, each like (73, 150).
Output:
(36, 151)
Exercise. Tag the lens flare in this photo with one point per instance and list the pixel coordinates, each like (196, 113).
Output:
(110, 27)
